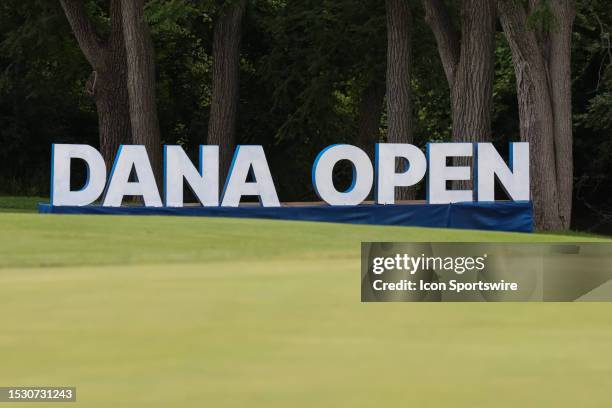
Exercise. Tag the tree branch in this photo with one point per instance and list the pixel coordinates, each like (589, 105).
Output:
(84, 30)
(606, 45)
(436, 15)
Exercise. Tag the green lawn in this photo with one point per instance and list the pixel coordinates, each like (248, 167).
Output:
(20, 204)
(192, 312)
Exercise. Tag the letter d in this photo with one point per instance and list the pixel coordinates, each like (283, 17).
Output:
(61, 157)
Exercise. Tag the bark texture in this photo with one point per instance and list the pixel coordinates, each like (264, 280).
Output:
(226, 82)
(472, 90)
(561, 95)
(141, 83)
(468, 61)
(447, 39)
(399, 95)
(542, 68)
(108, 82)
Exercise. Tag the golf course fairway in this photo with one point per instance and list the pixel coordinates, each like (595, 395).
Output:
(197, 312)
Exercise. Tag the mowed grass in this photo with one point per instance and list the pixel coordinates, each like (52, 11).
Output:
(20, 204)
(192, 312)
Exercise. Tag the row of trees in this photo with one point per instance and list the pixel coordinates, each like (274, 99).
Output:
(539, 33)
(124, 77)
(297, 75)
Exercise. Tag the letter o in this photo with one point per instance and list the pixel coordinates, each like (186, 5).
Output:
(323, 169)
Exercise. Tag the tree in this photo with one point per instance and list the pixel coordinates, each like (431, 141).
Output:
(540, 41)
(468, 60)
(141, 83)
(226, 76)
(399, 98)
(368, 117)
(108, 82)
(364, 66)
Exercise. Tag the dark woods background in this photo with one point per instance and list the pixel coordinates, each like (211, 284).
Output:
(311, 73)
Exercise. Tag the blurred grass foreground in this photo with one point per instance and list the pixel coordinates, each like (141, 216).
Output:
(191, 312)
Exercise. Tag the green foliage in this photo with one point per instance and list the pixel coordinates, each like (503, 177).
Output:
(319, 56)
(180, 32)
(592, 84)
(541, 17)
(505, 108)
(41, 100)
(431, 96)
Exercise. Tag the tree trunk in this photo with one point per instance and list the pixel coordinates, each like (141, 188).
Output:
(472, 89)
(537, 128)
(226, 81)
(108, 82)
(447, 39)
(399, 95)
(111, 94)
(141, 83)
(561, 95)
(468, 60)
(112, 105)
(535, 111)
(370, 111)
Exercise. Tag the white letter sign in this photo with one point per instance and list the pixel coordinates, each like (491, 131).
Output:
(514, 179)
(249, 175)
(129, 157)
(245, 159)
(440, 173)
(62, 155)
(323, 169)
(387, 179)
(203, 182)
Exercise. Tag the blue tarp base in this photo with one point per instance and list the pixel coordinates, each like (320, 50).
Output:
(497, 216)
